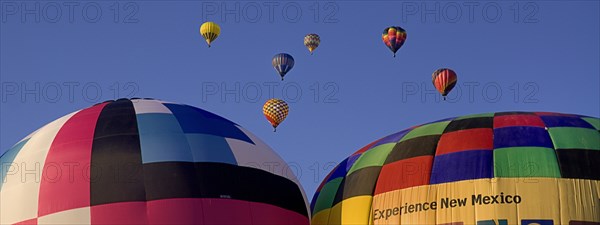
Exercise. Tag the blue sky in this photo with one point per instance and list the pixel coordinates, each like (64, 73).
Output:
(539, 56)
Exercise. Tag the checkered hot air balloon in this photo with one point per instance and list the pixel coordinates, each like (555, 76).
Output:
(210, 31)
(491, 168)
(312, 41)
(394, 38)
(275, 111)
(144, 161)
(283, 63)
(444, 80)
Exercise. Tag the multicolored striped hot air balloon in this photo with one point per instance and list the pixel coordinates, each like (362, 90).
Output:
(283, 63)
(312, 41)
(493, 168)
(275, 110)
(444, 80)
(144, 161)
(394, 38)
(210, 31)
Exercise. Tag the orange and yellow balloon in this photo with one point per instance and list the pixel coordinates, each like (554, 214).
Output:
(394, 38)
(312, 41)
(275, 111)
(210, 31)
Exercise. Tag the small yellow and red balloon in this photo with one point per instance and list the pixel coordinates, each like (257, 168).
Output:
(275, 111)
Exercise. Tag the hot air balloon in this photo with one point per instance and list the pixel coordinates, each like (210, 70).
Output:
(493, 168)
(283, 63)
(393, 38)
(210, 31)
(312, 41)
(275, 111)
(143, 161)
(444, 80)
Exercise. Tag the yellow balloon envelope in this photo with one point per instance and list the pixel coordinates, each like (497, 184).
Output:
(210, 31)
